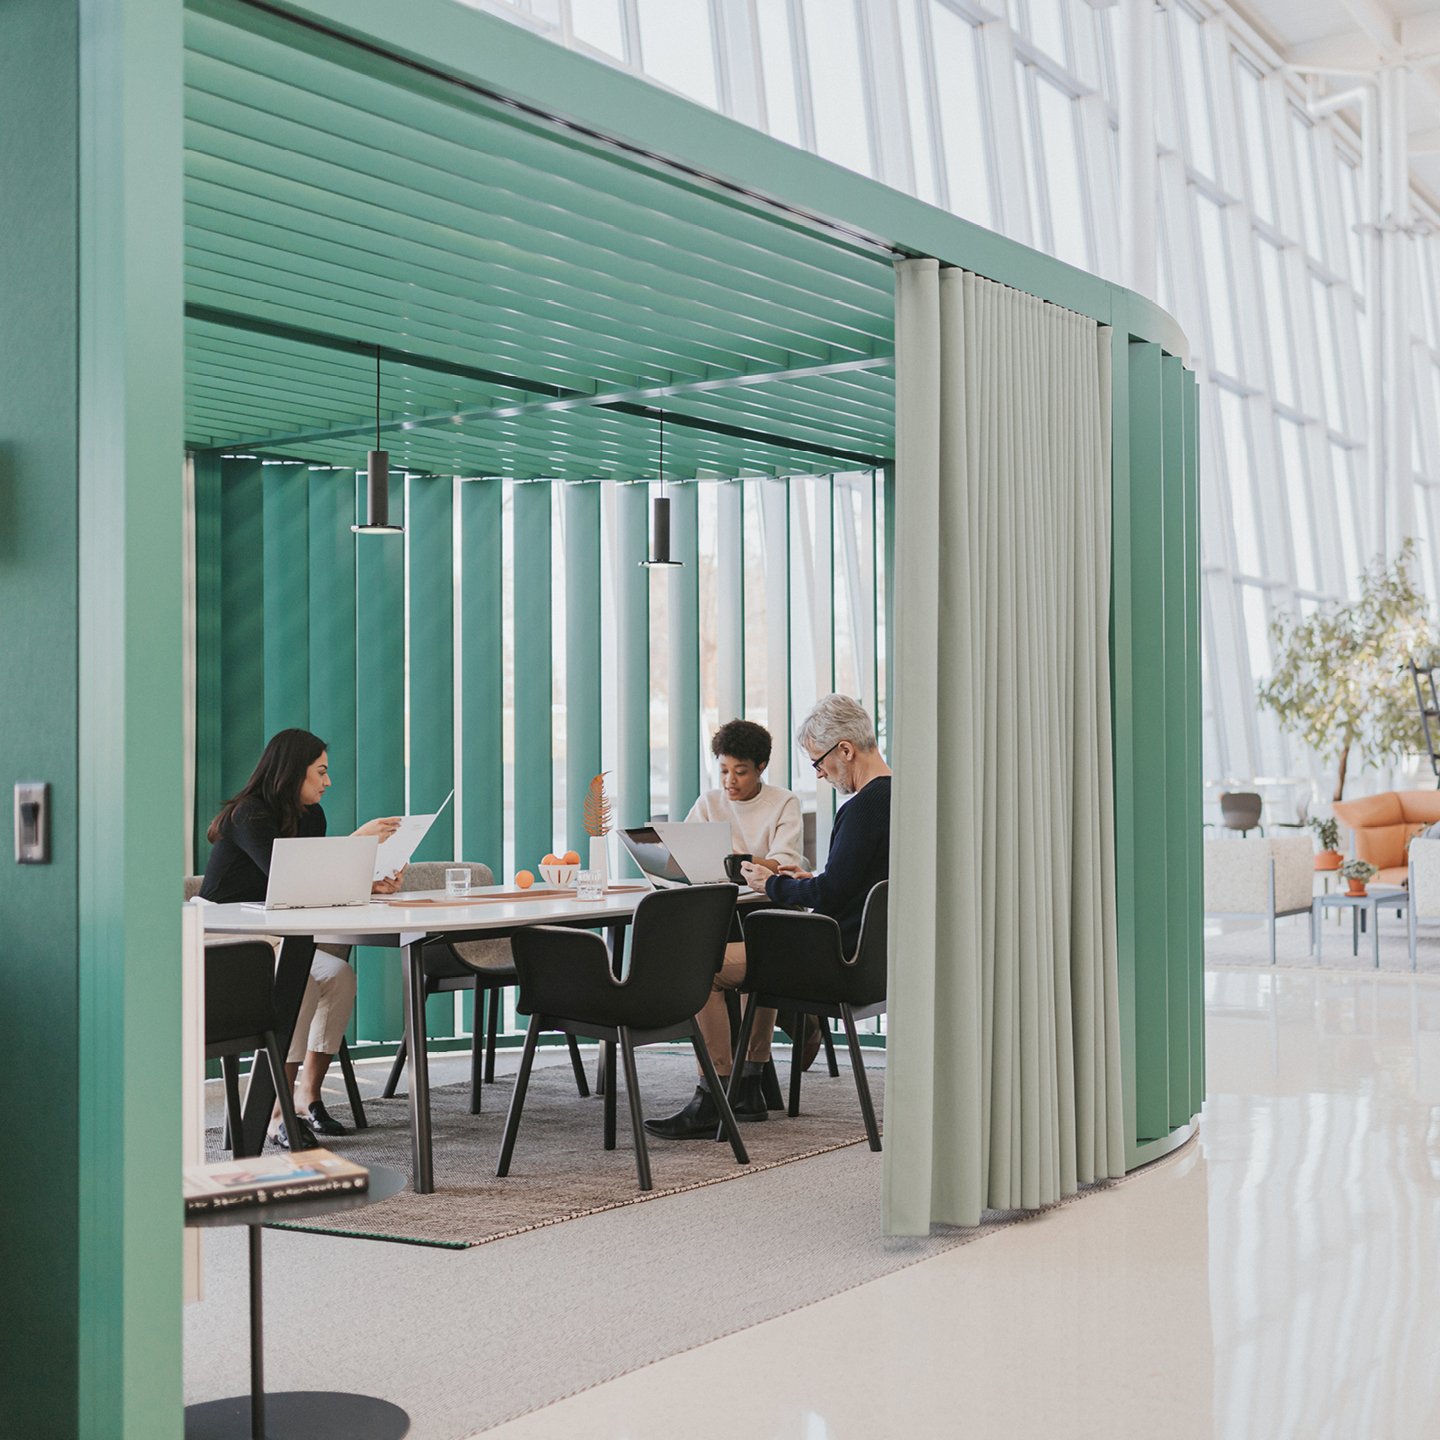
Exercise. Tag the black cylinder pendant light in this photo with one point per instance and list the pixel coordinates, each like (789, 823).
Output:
(660, 519)
(377, 479)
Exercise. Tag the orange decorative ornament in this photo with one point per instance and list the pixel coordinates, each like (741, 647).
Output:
(570, 857)
(552, 859)
(524, 879)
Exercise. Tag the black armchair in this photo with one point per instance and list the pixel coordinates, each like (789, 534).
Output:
(794, 961)
(566, 984)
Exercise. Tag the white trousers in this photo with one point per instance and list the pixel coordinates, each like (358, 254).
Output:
(326, 1009)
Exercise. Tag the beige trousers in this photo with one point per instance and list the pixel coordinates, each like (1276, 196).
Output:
(714, 1019)
(326, 1009)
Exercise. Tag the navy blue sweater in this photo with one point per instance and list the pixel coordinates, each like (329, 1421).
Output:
(859, 859)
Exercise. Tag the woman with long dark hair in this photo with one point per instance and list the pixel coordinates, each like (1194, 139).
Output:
(281, 799)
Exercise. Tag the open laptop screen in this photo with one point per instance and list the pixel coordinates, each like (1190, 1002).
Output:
(652, 855)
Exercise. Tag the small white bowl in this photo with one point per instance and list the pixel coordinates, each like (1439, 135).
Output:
(561, 875)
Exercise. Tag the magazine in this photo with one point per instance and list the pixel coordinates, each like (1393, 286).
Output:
(263, 1179)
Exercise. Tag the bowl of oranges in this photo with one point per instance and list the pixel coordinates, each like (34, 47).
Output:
(560, 870)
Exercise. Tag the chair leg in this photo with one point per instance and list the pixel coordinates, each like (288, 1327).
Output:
(770, 1086)
(796, 1045)
(637, 1114)
(282, 1088)
(352, 1088)
(727, 1115)
(477, 1047)
(578, 1066)
(396, 1071)
(828, 1041)
(517, 1098)
(234, 1131)
(492, 1034)
(737, 1061)
(607, 1049)
(862, 1082)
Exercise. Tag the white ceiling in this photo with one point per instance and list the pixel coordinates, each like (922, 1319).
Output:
(1362, 35)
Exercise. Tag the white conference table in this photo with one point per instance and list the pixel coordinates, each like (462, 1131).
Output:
(394, 923)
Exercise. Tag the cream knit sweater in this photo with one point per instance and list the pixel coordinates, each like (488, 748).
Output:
(768, 826)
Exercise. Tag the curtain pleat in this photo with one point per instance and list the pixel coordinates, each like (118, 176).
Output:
(188, 655)
(1004, 1086)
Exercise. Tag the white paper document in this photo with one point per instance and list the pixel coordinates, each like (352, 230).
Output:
(394, 854)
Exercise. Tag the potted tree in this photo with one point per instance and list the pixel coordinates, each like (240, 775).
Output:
(1327, 831)
(1358, 873)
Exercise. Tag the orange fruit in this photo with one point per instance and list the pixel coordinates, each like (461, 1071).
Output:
(570, 857)
(552, 860)
(524, 879)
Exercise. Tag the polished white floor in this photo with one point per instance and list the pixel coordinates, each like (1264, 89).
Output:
(1281, 1278)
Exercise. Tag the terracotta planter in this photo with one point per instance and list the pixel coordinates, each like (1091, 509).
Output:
(1329, 860)
(1357, 887)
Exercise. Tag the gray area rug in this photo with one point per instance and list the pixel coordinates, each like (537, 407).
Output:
(1250, 946)
(560, 1169)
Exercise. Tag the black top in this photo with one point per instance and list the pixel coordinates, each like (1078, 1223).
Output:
(859, 860)
(239, 863)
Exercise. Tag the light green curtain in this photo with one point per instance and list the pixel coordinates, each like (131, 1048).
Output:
(1004, 1083)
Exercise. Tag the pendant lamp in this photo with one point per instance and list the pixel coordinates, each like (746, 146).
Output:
(377, 479)
(660, 519)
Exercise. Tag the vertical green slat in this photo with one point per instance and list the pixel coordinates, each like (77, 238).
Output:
(286, 604)
(684, 611)
(430, 536)
(332, 636)
(775, 507)
(242, 622)
(1194, 718)
(1148, 821)
(482, 696)
(1177, 740)
(209, 698)
(429, 533)
(887, 482)
(534, 753)
(633, 644)
(379, 733)
(730, 597)
(582, 657)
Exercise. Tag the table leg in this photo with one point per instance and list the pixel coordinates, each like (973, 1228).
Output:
(1375, 934)
(607, 1050)
(417, 1071)
(292, 971)
(1317, 920)
(1354, 932)
(257, 1339)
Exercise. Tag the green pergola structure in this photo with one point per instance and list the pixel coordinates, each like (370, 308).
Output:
(249, 205)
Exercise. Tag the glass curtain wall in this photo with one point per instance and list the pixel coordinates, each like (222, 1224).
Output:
(1005, 113)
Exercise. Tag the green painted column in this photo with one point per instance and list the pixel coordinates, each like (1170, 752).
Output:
(286, 606)
(887, 509)
(482, 662)
(242, 621)
(534, 758)
(379, 733)
(684, 658)
(209, 671)
(1195, 728)
(775, 515)
(582, 657)
(730, 597)
(331, 646)
(632, 622)
(430, 535)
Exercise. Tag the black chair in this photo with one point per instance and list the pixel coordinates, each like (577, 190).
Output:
(1241, 810)
(485, 966)
(794, 961)
(239, 1020)
(566, 984)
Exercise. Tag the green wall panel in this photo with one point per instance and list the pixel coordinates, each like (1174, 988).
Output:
(730, 598)
(534, 762)
(332, 636)
(482, 753)
(632, 621)
(286, 607)
(209, 692)
(683, 661)
(582, 657)
(379, 734)
(1195, 927)
(242, 621)
(430, 534)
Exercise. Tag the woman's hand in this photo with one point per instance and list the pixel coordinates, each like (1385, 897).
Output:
(385, 826)
(755, 876)
(771, 865)
(389, 885)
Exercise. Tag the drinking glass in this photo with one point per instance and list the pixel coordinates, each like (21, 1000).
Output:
(589, 885)
(457, 880)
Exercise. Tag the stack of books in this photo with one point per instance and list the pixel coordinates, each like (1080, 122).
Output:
(264, 1179)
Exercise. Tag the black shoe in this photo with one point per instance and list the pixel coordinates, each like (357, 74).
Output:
(323, 1122)
(697, 1121)
(303, 1134)
(749, 1101)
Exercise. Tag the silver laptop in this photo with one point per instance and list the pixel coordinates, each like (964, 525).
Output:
(320, 871)
(681, 853)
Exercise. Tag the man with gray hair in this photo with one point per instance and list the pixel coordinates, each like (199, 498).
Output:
(839, 739)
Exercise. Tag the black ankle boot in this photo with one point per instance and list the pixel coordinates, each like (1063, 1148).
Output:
(749, 1102)
(697, 1121)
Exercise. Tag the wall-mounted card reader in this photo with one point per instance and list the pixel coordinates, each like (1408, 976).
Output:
(32, 822)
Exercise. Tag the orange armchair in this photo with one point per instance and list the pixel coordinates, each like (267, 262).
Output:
(1381, 827)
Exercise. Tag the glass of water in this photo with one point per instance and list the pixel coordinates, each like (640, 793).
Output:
(589, 885)
(457, 879)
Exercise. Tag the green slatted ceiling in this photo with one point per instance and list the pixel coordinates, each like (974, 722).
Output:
(381, 207)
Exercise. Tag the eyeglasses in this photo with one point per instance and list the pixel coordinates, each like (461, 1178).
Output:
(821, 761)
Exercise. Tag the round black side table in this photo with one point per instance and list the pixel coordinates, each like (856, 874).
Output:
(293, 1414)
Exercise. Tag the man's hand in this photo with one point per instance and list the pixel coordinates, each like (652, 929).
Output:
(796, 873)
(755, 876)
(384, 826)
